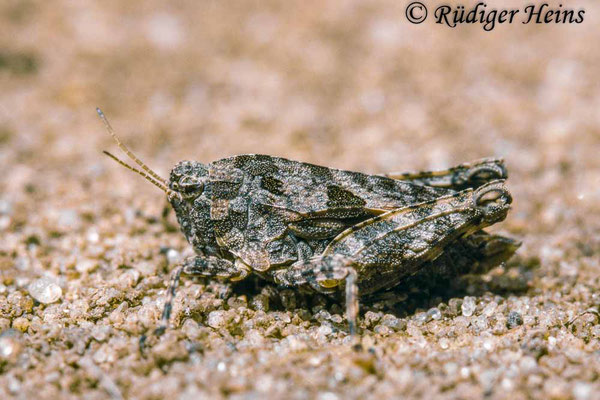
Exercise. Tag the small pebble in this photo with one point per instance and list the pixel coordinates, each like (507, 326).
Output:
(383, 330)
(514, 320)
(21, 324)
(85, 265)
(454, 306)
(490, 308)
(444, 343)
(371, 318)
(582, 391)
(216, 319)
(325, 330)
(10, 346)
(68, 219)
(396, 324)
(93, 236)
(422, 318)
(45, 290)
(468, 306)
(172, 256)
(6, 207)
(337, 318)
(434, 313)
(100, 333)
(4, 222)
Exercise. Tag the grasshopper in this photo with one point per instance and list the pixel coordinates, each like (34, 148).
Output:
(328, 230)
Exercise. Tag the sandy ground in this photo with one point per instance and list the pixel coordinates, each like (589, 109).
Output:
(347, 84)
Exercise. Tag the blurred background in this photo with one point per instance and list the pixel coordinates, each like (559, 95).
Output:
(347, 84)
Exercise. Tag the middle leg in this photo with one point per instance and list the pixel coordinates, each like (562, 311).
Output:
(323, 274)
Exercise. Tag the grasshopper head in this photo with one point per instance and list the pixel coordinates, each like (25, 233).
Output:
(186, 183)
(187, 178)
(494, 200)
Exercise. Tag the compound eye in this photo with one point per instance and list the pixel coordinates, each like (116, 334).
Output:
(188, 185)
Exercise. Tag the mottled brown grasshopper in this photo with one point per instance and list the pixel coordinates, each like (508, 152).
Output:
(328, 230)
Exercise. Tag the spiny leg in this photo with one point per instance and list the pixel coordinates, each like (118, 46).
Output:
(324, 274)
(468, 175)
(210, 267)
(166, 313)
(352, 300)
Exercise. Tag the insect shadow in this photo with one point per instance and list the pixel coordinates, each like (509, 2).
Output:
(510, 278)
(403, 301)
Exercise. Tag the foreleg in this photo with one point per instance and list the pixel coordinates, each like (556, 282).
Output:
(210, 267)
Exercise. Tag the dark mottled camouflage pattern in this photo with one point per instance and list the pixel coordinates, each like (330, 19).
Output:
(299, 224)
(329, 230)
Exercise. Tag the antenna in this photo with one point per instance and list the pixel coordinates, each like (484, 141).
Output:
(145, 175)
(126, 150)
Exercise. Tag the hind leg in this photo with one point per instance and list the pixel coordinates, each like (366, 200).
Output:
(324, 275)
(468, 175)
